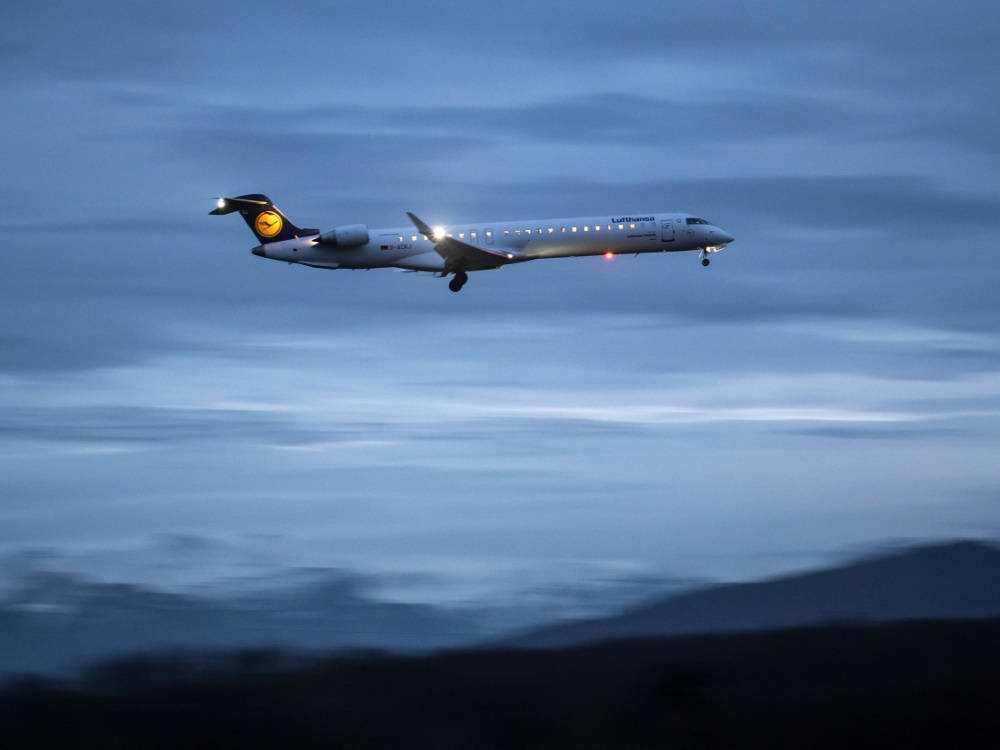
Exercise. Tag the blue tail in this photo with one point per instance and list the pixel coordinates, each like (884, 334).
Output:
(264, 219)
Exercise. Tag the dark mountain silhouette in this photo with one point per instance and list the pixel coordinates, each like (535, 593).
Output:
(58, 622)
(911, 685)
(958, 580)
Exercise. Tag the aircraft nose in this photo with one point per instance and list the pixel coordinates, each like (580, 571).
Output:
(725, 237)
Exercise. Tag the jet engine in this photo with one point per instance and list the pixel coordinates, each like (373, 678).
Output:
(349, 235)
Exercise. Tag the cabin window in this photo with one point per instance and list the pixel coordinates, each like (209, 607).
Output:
(473, 235)
(527, 231)
(506, 232)
(597, 228)
(551, 230)
(400, 238)
(517, 231)
(586, 229)
(563, 230)
(631, 226)
(539, 230)
(574, 229)
(461, 235)
(413, 238)
(621, 226)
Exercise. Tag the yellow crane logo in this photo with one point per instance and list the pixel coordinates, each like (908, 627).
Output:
(268, 224)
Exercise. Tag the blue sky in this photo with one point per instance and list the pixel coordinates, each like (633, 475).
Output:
(177, 412)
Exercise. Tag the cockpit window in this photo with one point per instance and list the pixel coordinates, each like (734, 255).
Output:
(692, 220)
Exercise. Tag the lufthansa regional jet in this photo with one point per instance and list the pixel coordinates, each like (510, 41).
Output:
(457, 249)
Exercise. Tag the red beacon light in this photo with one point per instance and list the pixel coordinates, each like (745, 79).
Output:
(609, 255)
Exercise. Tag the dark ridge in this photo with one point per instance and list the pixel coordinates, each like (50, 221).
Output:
(914, 685)
(947, 581)
(57, 623)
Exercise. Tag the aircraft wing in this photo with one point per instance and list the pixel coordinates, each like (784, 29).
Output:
(461, 256)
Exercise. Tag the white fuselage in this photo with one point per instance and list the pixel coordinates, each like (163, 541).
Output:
(510, 242)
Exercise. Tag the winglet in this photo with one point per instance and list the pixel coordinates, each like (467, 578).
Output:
(421, 227)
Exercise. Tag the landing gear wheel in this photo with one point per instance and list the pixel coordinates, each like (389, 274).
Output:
(705, 261)
(458, 282)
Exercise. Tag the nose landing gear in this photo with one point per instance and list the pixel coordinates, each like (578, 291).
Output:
(458, 282)
(704, 256)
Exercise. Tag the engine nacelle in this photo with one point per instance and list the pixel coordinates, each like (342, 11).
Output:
(349, 235)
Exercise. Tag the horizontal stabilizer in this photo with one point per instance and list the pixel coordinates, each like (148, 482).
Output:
(229, 205)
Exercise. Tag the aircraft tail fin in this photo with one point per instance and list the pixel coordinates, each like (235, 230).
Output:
(264, 219)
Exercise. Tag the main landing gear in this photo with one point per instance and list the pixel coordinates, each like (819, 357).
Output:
(458, 282)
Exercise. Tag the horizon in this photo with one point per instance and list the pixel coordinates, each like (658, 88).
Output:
(329, 613)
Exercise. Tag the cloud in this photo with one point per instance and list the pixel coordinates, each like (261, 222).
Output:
(157, 378)
(882, 432)
(137, 425)
(59, 339)
(594, 118)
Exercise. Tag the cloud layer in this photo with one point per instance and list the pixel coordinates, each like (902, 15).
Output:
(830, 381)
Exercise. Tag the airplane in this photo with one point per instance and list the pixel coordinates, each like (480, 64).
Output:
(458, 249)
